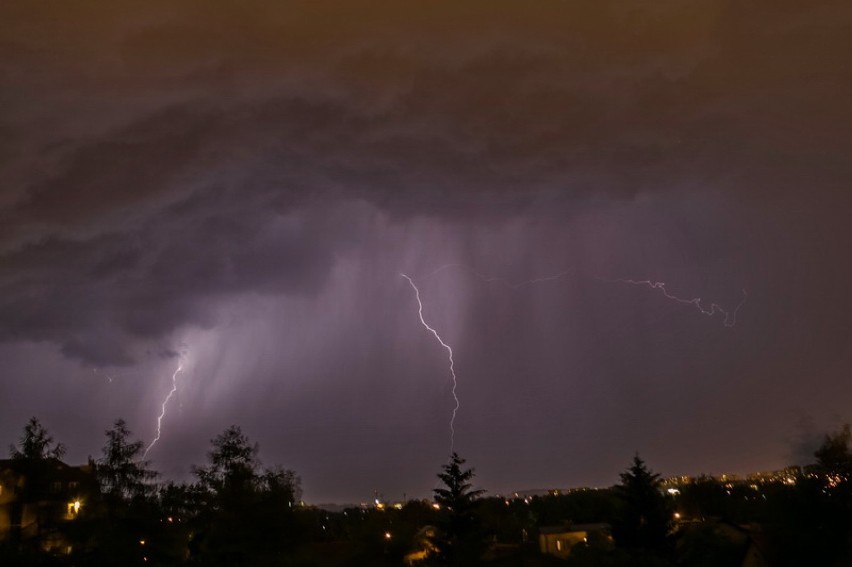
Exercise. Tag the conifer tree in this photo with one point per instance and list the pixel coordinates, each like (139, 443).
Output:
(36, 443)
(459, 538)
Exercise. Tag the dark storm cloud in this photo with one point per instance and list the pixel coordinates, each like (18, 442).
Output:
(161, 161)
(425, 107)
(153, 153)
(144, 282)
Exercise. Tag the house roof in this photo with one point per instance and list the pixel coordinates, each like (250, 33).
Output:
(51, 466)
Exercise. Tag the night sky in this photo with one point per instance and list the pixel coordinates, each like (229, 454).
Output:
(237, 187)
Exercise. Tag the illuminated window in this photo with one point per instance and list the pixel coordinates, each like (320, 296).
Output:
(73, 509)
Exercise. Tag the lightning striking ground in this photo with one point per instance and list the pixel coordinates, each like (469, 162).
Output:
(449, 352)
(163, 409)
(730, 315)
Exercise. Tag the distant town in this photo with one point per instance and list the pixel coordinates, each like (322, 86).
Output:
(116, 510)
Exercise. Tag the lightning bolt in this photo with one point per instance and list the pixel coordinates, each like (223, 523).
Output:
(163, 409)
(729, 320)
(449, 353)
(730, 316)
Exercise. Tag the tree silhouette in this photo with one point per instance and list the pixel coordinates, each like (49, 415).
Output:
(233, 463)
(812, 519)
(459, 538)
(122, 475)
(126, 484)
(36, 443)
(245, 511)
(834, 458)
(645, 519)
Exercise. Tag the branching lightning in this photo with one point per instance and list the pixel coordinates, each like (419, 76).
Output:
(449, 353)
(163, 409)
(730, 316)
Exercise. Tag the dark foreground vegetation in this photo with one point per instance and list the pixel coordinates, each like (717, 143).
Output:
(114, 512)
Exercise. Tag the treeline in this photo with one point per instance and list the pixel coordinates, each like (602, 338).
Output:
(236, 512)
